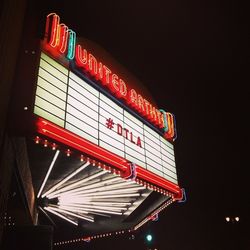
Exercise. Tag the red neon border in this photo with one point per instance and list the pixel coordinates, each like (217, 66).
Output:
(66, 137)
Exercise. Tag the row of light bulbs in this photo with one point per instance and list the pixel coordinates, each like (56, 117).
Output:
(86, 239)
(69, 152)
(232, 219)
(150, 186)
(157, 211)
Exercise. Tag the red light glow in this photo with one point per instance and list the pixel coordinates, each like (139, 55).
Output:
(59, 40)
(61, 135)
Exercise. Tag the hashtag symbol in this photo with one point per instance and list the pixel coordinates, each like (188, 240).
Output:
(110, 123)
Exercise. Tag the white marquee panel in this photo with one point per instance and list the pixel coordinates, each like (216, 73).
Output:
(70, 102)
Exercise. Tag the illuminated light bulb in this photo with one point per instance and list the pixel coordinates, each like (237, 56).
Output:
(37, 139)
(237, 218)
(45, 143)
(68, 152)
(82, 158)
(53, 146)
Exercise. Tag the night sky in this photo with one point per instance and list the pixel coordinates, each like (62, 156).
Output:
(191, 57)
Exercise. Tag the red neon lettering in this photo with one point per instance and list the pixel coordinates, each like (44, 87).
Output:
(146, 107)
(133, 98)
(140, 104)
(115, 84)
(160, 119)
(92, 64)
(58, 35)
(107, 73)
(81, 57)
(153, 115)
(100, 71)
(123, 89)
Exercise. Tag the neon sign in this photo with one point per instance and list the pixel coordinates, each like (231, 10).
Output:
(63, 40)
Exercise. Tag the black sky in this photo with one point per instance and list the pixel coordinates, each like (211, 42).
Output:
(191, 55)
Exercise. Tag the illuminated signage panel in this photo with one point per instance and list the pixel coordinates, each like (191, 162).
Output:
(68, 101)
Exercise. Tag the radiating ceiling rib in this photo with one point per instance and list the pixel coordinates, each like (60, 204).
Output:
(66, 179)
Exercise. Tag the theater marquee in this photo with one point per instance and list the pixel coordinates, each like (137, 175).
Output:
(123, 172)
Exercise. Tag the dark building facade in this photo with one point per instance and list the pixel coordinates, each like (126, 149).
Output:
(17, 211)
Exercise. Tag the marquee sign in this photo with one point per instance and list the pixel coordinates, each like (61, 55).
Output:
(63, 41)
(107, 151)
(73, 104)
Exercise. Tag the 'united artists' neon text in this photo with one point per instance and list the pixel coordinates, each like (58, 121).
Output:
(63, 40)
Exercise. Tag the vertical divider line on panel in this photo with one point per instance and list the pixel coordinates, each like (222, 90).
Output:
(98, 124)
(66, 101)
(161, 155)
(124, 142)
(143, 125)
(175, 167)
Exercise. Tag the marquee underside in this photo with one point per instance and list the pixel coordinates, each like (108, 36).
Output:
(88, 195)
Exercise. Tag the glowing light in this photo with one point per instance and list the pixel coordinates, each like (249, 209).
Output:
(66, 179)
(63, 37)
(111, 195)
(82, 158)
(107, 191)
(149, 237)
(227, 219)
(51, 30)
(97, 184)
(81, 144)
(53, 146)
(68, 152)
(71, 45)
(237, 218)
(84, 206)
(58, 36)
(88, 218)
(105, 211)
(91, 188)
(74, 184)
(37, 140)
(48, 173)
(61, 216)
